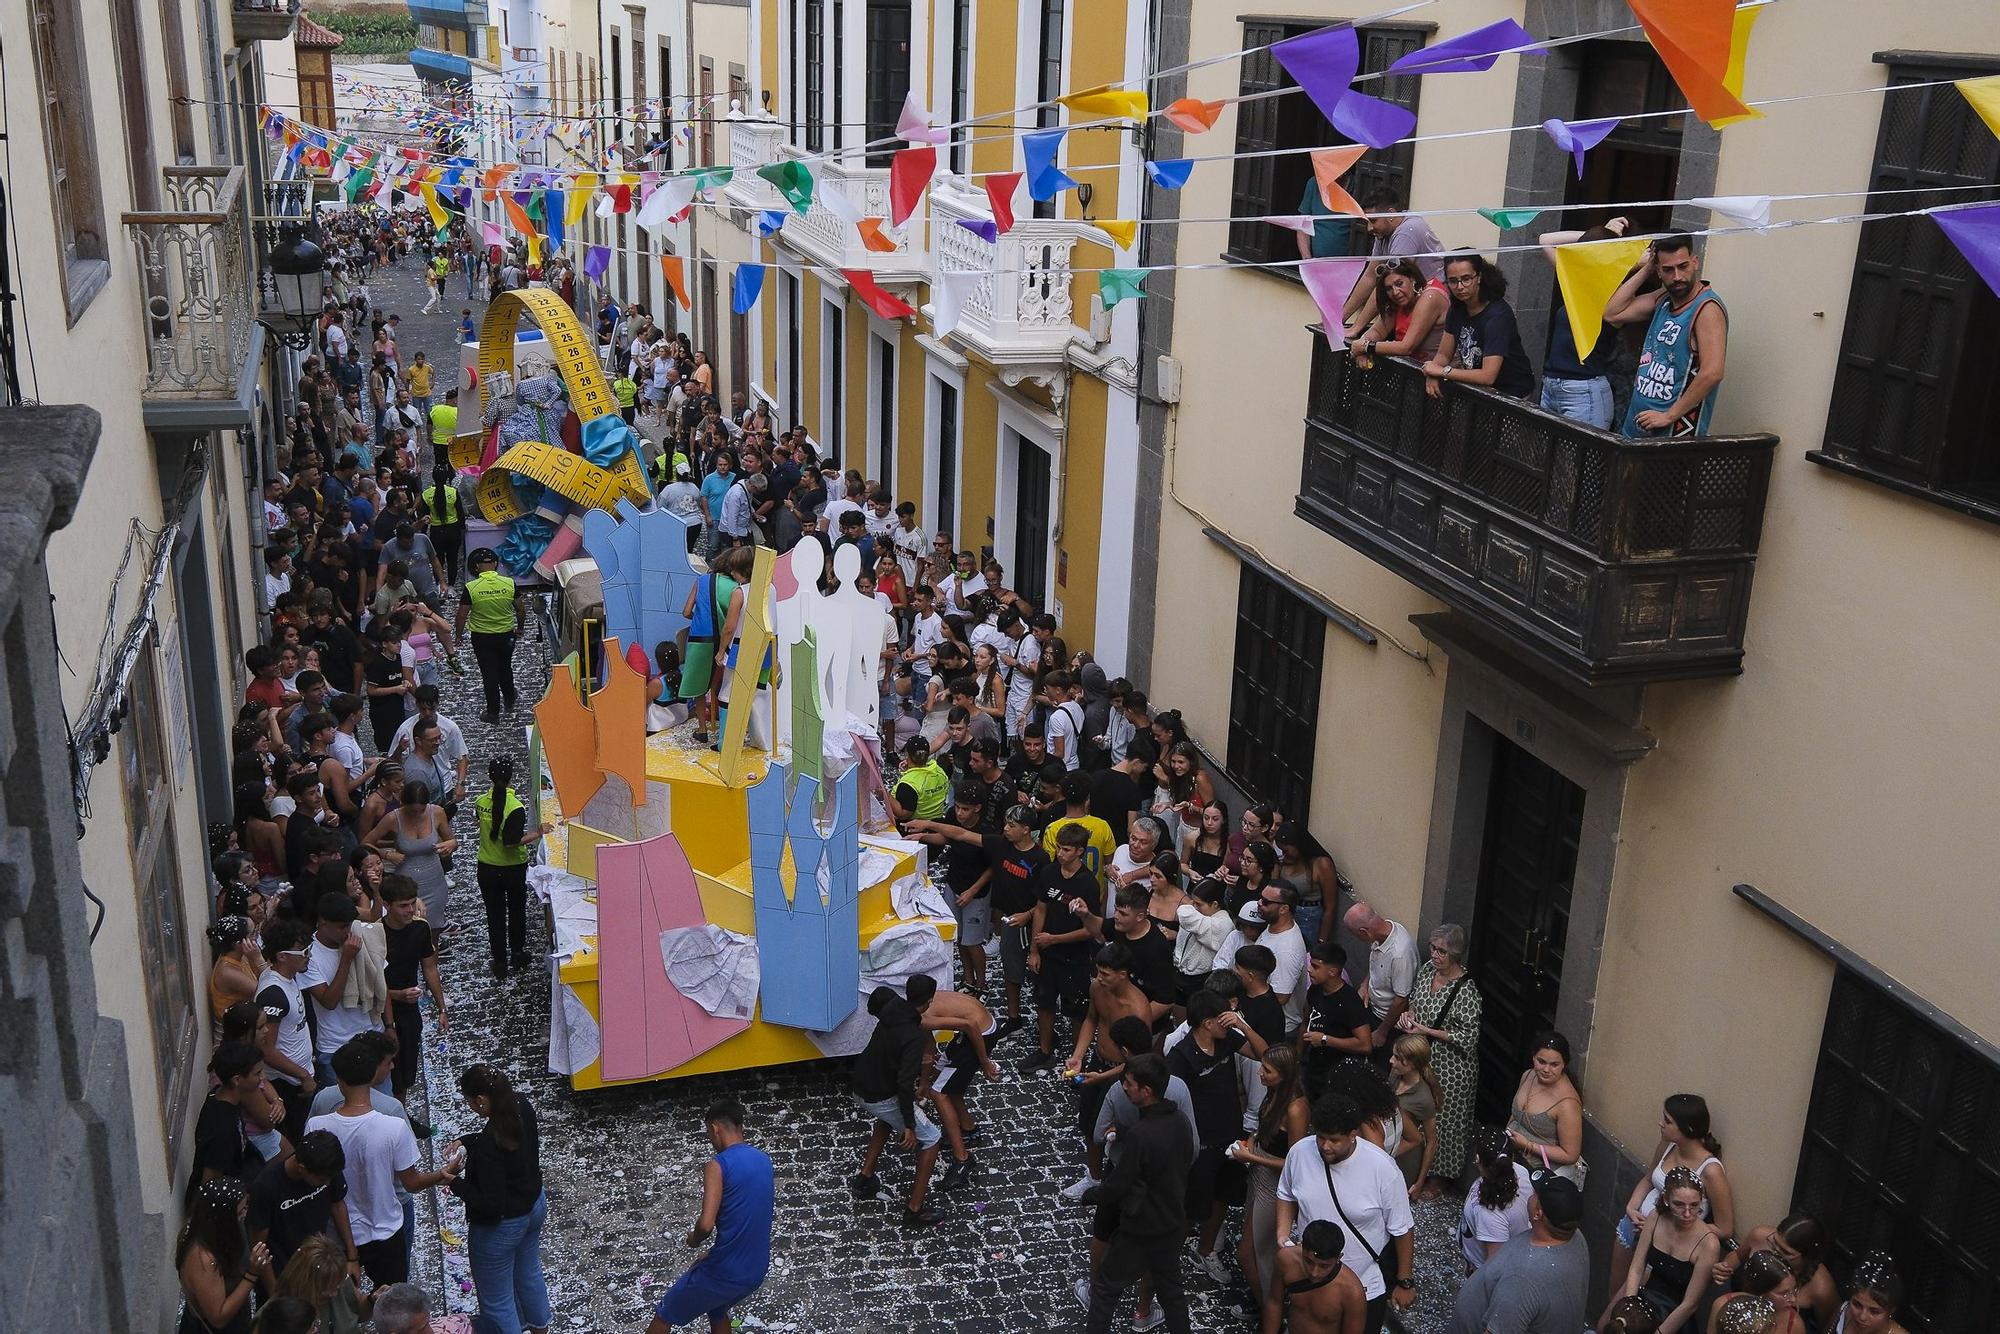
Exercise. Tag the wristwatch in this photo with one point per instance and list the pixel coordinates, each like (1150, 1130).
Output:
(1407, 1284)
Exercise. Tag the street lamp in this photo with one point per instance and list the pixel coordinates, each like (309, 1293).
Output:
(298, 278)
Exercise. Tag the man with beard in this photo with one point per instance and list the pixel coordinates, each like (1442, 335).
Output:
(1682, 360)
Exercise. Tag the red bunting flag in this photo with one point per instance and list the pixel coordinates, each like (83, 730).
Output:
(909, 172)
(621, 197)
(1000, 194)
(882, 303)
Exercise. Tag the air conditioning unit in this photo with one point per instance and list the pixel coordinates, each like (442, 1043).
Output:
(1100, 321)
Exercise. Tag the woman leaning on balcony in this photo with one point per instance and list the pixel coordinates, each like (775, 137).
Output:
(1482, 343)
(1411, 322)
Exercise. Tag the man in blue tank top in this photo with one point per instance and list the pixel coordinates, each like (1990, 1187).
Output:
(1681, 361)
(737, 1198)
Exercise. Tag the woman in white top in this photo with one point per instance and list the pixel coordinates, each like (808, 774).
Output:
(1685, 1141)
(1496, 1208)
(1204, 924)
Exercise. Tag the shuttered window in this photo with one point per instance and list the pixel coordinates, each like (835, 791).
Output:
(1914, 402)
(1274, 694)
(1278, 124)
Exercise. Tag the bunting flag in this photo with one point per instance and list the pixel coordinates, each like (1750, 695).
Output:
(1124, 231)
(835, 201)
(710, 179)
(1739, 54)
(597, 263)
(1578, 137)
(517, 215)
(1588, 275)
(1106, 103)
(1469, 52)
(1752, 209)
(360, 181)
(492, 176)
(492, 233)
(748, 283)
(535, 249)
(914, 125)
(1329, 281)
(579, 197)
(1507, 219)
(1000, 188)
(676, 276)
(1976, 233)
(874, 238)
(668, 198)
(791, 179)
(882, 303)
(1329, 165)
(1983, 94)
(552, 209)
(1324, 63)
(1170, 173)
(770, 221)
(982, 228)
(1115, 285)
(1038, 154)
(1194, 115)
(948, 296)
(620, 193)
(1695, 40)
(909, 172)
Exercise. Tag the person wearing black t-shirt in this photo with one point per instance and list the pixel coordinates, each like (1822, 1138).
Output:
(220, 1147)
(1482, 343)
(1014, 859)
(1126, 788)
(1337, 1021)
(1024, 767)
(1259, 1005)
(410, 968)
(981, 772)
(1058, 943)
(968, 873)
(1205, 1060)
(339, 649)
(1151, 948)
(300, 1195)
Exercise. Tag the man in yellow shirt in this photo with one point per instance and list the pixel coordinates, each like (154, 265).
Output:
(444, 420)
(1076, 810)
(419, 380)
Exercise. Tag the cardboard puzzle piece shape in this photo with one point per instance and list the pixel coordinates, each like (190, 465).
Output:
(642, 559)
(808, 941)
(753, 641)
(569, 741)
(647, 1026)
(808, 711)
(531, 791)
(611, 810)
(619, 713)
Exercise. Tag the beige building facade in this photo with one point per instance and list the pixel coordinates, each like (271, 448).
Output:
(1497, 669)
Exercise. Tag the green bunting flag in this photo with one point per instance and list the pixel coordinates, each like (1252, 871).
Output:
(358, 183)
(1115, 285)
(792, 180)
(1507, 219)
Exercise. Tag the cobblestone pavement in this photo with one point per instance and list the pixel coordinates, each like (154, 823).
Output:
(622, 1166)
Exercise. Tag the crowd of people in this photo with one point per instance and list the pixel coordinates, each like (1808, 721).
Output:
(1257, 1060)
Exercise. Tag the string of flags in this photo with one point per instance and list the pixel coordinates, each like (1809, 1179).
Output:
(1703, 44)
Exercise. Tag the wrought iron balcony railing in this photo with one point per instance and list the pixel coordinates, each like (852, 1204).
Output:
(1610, 560)
(199, 300)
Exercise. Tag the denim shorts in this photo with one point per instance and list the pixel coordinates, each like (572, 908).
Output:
(890, 1113)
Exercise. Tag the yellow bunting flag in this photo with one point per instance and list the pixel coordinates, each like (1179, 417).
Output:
(671, 269)
(1329, 165)
(1739, 50)
(1984, 94)
(1122, 230)
(579, 197)
(430, 194)
(1588, 275)
(1107, 103)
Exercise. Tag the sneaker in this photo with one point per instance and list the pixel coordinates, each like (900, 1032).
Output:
(1007, 1028)
(971, 1133)
(1213, 1266)
(864, 1186)
(1040, 1061)
(958, 1173)
(457, 667)
(914, 1219)
(522, 959)
(1153, 1319)
(1075, 1189)
(489, 716)
(1082, 1290)
(1244, 1309)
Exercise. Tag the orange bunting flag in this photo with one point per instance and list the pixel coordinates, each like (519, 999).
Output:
(889, 307)
(492, 177)
(872, 236)
(1194, 115)
(1694, 38)
(1329, 165)
(517, 215)
(676, 276)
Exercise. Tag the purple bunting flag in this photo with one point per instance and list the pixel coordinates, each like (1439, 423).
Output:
(1324, 63)
(1976, 233)
(1577, 137)
(984, 228)
(1469, 52)
(596, 263)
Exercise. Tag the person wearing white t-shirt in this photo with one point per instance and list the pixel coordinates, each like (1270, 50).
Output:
(1392, 969)
(331, 961)
(1287, 944)
(1484, 1228)
(1020, 655)
(1338, 1176)
(910, 543)
(287, 1042)
(381, 1151)
(926, 633)
(1064, 727)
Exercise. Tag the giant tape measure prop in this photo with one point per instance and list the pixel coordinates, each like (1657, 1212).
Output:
(568, 475)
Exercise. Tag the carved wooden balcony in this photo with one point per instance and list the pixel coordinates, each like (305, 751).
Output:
(1606, 560)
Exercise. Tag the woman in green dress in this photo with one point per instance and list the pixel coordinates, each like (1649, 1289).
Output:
(1444, 1007)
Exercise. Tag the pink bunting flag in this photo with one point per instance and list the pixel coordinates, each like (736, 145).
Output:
(1329, 281)
(914, 125)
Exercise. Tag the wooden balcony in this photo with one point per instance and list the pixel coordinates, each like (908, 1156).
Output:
(1605, 560)
(263, 20)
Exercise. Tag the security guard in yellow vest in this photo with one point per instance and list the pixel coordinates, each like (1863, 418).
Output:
(490, 608)
(923, 789)
(446, 513)
(505, 844)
